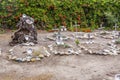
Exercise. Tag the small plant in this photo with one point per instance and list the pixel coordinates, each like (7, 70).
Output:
(66, 46)
(117, 41)
(77, 42)
(71, 27)
(36, 53)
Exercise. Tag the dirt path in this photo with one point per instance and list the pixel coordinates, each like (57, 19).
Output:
(73, 67)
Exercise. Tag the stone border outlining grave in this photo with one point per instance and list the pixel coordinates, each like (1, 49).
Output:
(28, 57)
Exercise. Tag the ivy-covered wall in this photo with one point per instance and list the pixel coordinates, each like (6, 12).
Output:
(51, 13)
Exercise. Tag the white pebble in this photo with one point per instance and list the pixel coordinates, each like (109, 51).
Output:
(0, 51)
(47, 53)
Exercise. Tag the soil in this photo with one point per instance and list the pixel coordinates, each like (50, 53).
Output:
(55, 67)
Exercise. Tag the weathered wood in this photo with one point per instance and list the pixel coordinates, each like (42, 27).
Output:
(26, 32)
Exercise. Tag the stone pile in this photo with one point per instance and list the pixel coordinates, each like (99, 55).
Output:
(26, 32)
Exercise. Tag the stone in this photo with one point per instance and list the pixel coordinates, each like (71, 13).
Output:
(0, 51)
(41, 56)
(85, 49)
(82, 47)
(104, 79)
(10, 50)
(110, 78)
(50, 47)
(33, 59)
(87, 42)
(70, 51)
(67, 53)
(107, 37)
(54, 52)
(18, 59)
(58, 52)
(114, 52)
(85, 36)
(76, 53)
(62, 53)
(24, 59)
(79, 51)
(99, 52)
(29, 52)
(107, 51)
(37, 58)
(9, 56)
(46, 52)
(90, 42)
(28, 58)
(90, 51)
(113, 41)
(14, 58)
(50, 38)
(28, 44)
(11, 53)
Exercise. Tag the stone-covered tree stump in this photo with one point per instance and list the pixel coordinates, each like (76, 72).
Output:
(26, 32)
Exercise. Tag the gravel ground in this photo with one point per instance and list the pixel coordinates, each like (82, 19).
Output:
(55, 67)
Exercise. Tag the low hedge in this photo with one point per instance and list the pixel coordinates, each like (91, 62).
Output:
(54, 13)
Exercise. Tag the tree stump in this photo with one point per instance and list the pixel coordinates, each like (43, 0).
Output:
(26, 32)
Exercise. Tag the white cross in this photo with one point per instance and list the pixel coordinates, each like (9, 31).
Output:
(76, 27)
(115, 26)
(101, 27)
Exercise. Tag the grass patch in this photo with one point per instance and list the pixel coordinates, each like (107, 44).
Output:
(2, 31)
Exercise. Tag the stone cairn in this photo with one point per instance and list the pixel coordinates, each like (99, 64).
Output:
(26, 33)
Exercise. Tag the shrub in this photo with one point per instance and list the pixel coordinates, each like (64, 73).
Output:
(47, 13)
